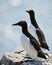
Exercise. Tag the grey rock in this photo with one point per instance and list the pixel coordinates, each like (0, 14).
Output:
(22, 58)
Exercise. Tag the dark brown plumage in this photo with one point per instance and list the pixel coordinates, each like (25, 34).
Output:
(33, 41)
(39, 32)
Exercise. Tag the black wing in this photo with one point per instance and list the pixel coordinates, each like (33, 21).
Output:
(35, 43)
(41, 37)
(40, 34)
(37, 47)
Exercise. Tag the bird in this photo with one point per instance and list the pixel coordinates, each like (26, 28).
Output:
(30, 43)
(36, 31)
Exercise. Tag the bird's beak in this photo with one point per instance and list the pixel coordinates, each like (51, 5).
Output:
(27, 11)
(15, 24)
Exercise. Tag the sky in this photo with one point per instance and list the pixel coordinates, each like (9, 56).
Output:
(12, 11)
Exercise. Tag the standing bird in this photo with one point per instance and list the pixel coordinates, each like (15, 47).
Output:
(36, 31)
(29, 43)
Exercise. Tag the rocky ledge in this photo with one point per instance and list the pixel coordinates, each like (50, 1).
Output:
(22, 58)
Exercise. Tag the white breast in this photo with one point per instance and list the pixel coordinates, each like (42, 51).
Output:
(32, 30)
(28, 47)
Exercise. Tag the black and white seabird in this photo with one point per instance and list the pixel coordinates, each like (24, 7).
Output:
(36, 31)
(29, 43)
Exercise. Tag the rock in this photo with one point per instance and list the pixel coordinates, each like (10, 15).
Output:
(22, 58)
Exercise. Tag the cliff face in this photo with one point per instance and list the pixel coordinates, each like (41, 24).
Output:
(22, 58)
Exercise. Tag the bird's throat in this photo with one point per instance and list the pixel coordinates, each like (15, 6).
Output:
(33, 21)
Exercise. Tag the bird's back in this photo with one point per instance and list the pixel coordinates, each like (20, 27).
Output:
(40, 34)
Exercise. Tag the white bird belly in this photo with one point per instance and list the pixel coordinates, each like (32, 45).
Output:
(29, 47)
(32, 30)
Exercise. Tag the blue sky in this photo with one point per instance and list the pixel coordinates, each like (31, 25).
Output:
(12, 11)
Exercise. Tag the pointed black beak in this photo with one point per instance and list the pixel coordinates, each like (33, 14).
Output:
(27, 11)
(15, 24)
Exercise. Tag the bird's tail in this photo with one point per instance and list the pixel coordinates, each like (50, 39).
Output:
(44, 45)
(41, 54)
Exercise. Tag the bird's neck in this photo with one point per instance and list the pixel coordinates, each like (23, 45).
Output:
(33, 21)
(25, 31)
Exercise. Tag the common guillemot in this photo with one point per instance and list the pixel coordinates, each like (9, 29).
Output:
(29, 43)
(37, 31)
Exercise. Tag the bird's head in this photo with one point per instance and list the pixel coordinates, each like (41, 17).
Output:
(31, 12)
(23, 24)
